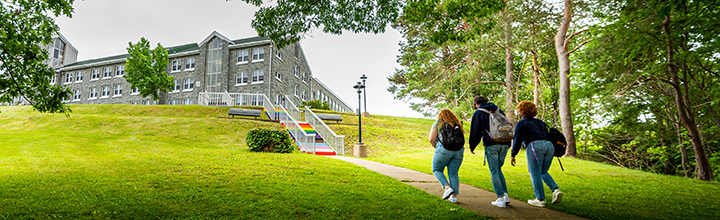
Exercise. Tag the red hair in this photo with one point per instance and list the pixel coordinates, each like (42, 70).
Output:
(448, 116)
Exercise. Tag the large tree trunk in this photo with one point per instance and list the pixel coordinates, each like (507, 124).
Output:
(509, 71)
(564, 70)
(703, 165)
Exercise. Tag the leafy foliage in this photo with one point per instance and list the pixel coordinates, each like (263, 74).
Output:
(26, 27)
(146, 69)
(315, 104)
(267, 140)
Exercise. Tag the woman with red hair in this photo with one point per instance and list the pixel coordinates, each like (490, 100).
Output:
(452, 159)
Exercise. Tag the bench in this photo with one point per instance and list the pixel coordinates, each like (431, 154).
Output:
(244, 112)
(336, 118)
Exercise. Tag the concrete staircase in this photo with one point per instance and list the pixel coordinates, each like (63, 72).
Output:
(321, 148)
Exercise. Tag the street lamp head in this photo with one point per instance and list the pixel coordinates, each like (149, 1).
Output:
(363, 77)
(359, 86)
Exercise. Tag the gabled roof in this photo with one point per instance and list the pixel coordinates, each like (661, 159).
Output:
(171, 50)
(65, 41)
(215, 34)
(250, 40)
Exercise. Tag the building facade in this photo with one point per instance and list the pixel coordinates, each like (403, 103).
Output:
(216, 64)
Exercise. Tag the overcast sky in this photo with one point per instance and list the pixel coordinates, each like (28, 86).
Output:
(101, 28)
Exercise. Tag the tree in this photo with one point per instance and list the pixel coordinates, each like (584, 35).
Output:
(147, 69)
(26, 27)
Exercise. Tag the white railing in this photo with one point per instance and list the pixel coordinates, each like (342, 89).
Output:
(215, 99)
(268, 108)
(293, 110)
(337, 142)
(305, 141)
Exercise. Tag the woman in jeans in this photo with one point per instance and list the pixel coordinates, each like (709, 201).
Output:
(446, 158)
(539, 151)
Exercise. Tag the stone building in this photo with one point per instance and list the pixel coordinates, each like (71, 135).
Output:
(216, 64)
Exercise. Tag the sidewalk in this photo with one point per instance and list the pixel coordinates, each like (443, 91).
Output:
(472, 198)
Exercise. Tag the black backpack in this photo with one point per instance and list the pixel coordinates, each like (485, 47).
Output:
(452, 137)
(558, 140)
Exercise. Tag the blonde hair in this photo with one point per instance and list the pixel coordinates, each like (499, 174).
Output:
(527, 109)
(447, 116)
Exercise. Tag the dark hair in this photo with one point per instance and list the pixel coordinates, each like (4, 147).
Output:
(527, 109)
(480, 100)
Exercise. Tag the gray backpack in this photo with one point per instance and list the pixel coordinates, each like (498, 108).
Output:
(500, 129)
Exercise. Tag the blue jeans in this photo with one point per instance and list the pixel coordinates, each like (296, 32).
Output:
(495, 156)
(539, 168)
(450, 159)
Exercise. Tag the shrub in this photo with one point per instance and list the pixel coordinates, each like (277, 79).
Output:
(266, 140)
(315, 104)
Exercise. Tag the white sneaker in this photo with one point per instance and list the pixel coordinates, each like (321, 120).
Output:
(500, 202)
(557, 196)
(536, 202)
(447, 193)
(453, 199)
(507, 199)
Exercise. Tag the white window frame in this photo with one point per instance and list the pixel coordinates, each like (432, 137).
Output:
(258, 76)
(93, 93)
(77, 94)
(117, 90)
(120, 71)
(189, 64)
(78, 77)
(135, 91)
(297, 91)
(94, 74)
(241, 78)
(243, 57)
(188, 84)
(68, 78)
(176, 66)
(107, 73)
(278, 76)
(278, 54)
(178, 85)
(297, 72)
(304, 95)
(258, 55)
(304, 77)
(105, 92)
(187, 102)
(52, 80)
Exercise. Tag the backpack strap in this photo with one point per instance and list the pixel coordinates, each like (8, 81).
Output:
(485, 110)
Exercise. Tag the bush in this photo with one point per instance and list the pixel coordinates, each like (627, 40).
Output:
(315, 104)
(272, 141)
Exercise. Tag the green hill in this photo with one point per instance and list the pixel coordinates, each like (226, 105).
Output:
(123, 161)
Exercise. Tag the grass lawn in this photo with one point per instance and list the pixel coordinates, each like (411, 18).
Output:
(162, 162)
(592, 190)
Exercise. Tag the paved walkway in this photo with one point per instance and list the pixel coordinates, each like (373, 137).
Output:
(472, 198)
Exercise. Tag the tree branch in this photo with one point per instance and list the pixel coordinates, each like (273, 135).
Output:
(578, 47)
(567, 39)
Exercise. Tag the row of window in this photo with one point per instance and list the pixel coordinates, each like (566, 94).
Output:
(258, 55)
(77, 77)
(176, 65)
(302, 76)
(104, 92)
(183, 84)
(181, 102)
(241, 78)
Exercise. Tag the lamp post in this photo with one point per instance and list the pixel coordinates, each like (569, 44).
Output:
(359, 150)
(363, 77)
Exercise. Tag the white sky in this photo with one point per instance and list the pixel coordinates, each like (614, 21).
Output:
(101, 28)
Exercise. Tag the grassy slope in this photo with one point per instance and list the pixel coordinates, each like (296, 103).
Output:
(593, 190)
(128, 162)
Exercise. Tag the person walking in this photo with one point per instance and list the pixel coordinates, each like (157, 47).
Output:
(495, 152)
(450, 158)
(539, 151)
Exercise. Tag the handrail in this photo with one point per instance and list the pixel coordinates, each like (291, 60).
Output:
(337, 142)
(296, 113)
(304, 140)
(268, 107)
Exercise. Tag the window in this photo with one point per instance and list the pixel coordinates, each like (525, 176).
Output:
(304, 95)
(52, 80)
(105, 91)
(258, 54)
(93, 93)
(304, 77)
(107, 73)
(297, 50)
(278, 54)
(297, 72)
(118, 90)
(242, 56)
(135, 91)
(241, 78)
(278, 76)
(277, 99)
(58, 48)
(78, 77)
(213, 75)
(256, 99)
(297, 92)
(174, 102)
(120, 70)
(190, 64)
(188, 85)
(68, 78)
(240, 100)
(76, 95)
(178, 84)
(187, 102)
(176, 65)
(147, 102)
(94, 74)
(258, 76)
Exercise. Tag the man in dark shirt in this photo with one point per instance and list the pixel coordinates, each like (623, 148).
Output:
(495, 152)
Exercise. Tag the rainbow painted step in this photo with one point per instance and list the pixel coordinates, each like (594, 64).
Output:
(321, 148)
